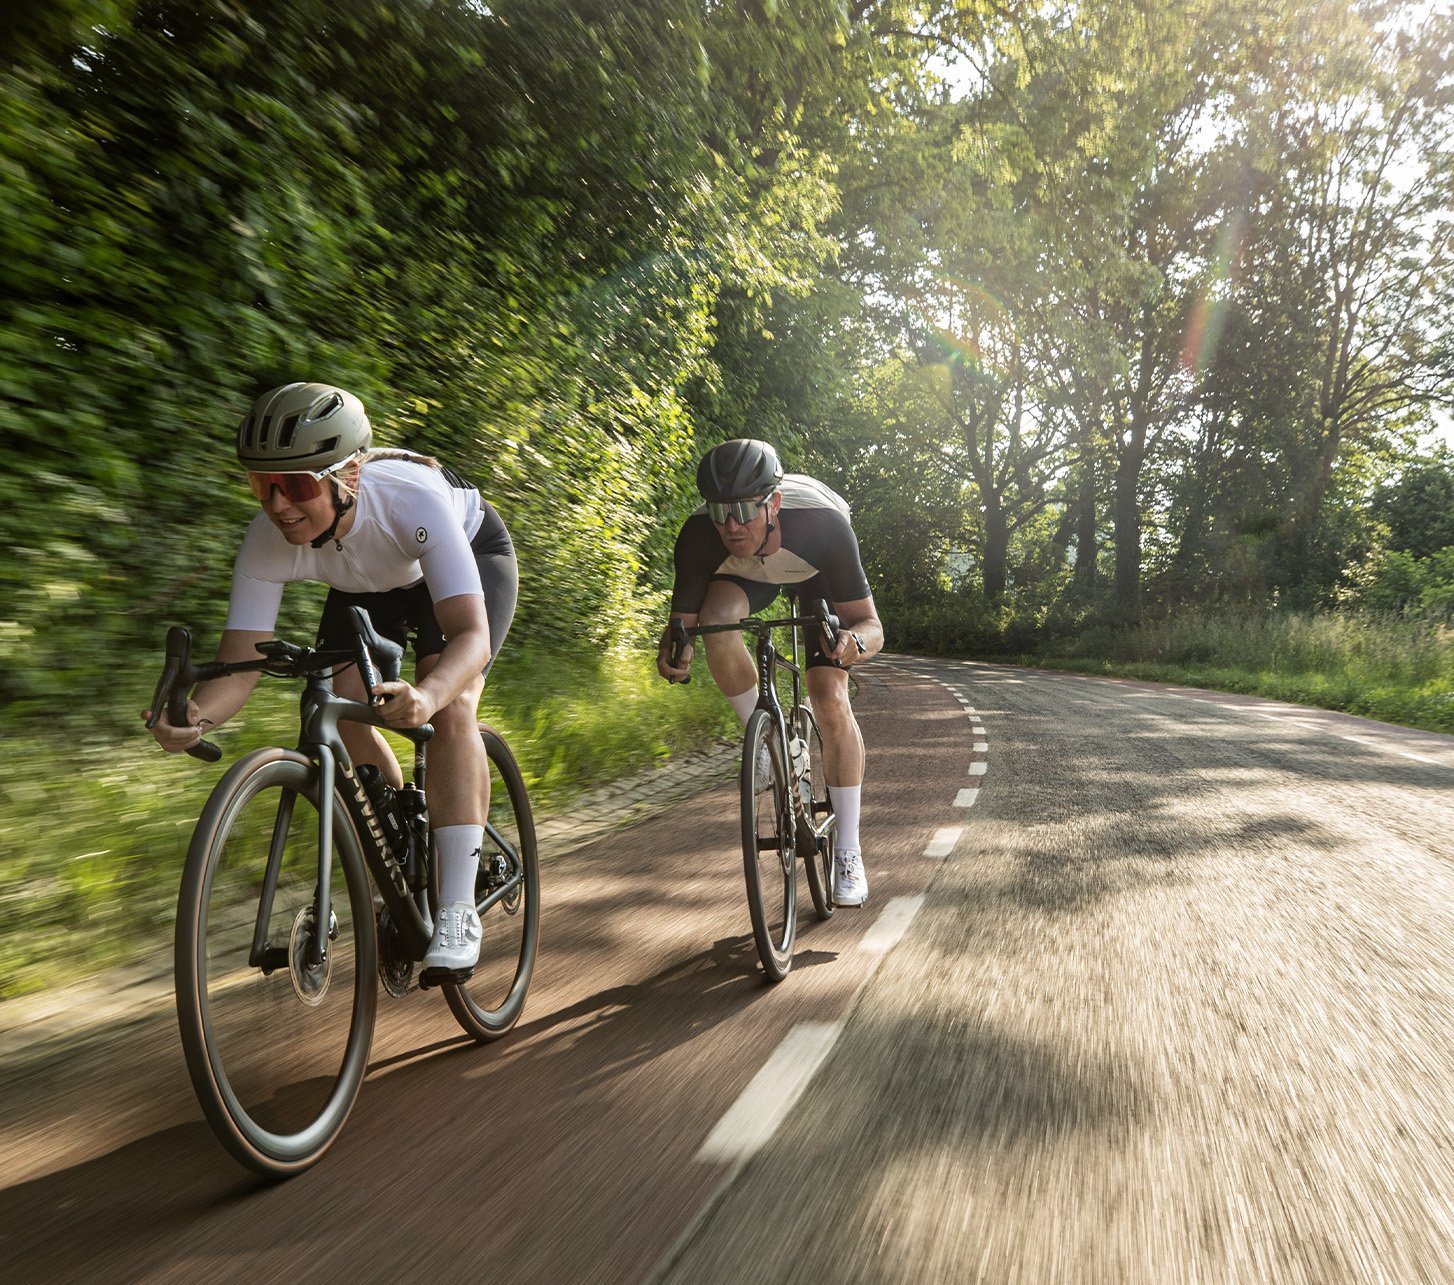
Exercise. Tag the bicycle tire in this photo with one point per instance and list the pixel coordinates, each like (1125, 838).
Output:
(768, 848)
(491, 1001)
(276, 1058)
(816, 854)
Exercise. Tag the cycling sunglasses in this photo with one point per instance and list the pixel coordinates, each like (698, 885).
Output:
(743, 510)
(297, 488)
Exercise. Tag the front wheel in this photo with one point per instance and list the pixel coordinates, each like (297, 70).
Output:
(507, 895)
(768, 845)
(276, 1037)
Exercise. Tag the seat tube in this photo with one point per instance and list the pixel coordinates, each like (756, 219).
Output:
(321, 906)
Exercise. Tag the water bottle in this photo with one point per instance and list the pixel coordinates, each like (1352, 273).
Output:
(381, 795)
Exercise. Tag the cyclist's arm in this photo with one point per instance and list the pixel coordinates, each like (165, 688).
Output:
(466, 627)
(216, 701)
(857, 617)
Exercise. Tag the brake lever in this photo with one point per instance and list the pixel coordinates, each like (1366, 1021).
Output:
(679, 640)
(179, 675)
(827, 623)
(368, 643)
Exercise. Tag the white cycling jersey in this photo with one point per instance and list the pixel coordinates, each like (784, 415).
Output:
(410, 523)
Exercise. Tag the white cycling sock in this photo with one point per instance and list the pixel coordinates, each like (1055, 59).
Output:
(845, 799)
(457, 854)
(744, 704)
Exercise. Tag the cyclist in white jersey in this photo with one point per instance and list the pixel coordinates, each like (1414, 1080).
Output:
(760, 529)
(422, 551)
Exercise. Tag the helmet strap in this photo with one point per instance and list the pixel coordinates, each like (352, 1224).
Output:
(766, 537)
(340, 507)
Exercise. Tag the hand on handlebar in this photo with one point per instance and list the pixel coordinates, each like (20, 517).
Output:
(173, 739)
(403, 705)
(674, 656)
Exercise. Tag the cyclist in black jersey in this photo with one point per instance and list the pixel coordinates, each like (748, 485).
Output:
(759, 530)
(421, 550)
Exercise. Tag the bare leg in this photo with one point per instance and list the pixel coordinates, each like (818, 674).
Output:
(730, 663)
(842, 741)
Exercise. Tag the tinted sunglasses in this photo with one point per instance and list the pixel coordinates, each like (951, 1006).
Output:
(743, 510)
(297, 488)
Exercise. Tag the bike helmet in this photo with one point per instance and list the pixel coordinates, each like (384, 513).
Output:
(302, 427)
(743, 468)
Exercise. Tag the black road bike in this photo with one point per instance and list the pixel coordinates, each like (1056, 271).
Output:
(786, 813)
(304, 885)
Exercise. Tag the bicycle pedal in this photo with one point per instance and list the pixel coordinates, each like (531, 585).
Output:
(438, 976)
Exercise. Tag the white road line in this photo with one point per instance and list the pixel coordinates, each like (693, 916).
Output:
(942, 844)
(1389, 749)
(766, 1101)
(891, 925)
(978, 769)
(980, 747)
(966, 798)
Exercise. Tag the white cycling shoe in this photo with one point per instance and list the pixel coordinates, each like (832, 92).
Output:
(456, 943)
(850, 884)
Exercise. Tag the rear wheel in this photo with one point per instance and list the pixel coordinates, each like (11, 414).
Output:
(768, 846)
(815, 853)
(507, 895)
(277, 1048)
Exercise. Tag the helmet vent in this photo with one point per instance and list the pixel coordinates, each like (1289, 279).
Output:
(262, 432)
(333, 402)
(287, 430)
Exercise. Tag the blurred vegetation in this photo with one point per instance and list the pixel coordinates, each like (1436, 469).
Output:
(1395, 669)
(1101, 316)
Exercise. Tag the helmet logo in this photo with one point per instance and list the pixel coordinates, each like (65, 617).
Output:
(421, 535)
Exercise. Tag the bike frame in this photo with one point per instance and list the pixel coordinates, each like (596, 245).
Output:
(769, 661)
(321, 712)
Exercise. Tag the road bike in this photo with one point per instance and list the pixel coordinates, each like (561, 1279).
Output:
(786, 813)
(305, 884)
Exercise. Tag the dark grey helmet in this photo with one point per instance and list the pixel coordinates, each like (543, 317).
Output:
(300, 427)
(742, 469)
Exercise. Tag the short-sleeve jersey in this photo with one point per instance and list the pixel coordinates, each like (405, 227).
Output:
(412, 522)
(817, 539)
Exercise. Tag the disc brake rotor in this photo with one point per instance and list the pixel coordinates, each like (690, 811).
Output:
(309, 984)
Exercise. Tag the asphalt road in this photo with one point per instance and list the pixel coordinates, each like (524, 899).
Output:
(1152, 986)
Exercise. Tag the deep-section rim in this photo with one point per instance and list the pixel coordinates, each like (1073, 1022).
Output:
(776, 956)
(489, 1024)
(818, 864)
(259, 1149)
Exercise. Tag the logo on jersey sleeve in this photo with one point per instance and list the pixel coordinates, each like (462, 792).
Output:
(422, 536)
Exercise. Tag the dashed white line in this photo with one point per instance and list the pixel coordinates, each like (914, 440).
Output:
(942, 844)
(772, 1093)
(891, 925)
(978, 769)
(966, 798)
(980, 747)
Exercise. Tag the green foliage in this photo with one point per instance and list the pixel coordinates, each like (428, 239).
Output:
(1378, 666)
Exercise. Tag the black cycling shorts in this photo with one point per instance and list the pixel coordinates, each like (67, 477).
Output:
(398, 613)
(760, 596)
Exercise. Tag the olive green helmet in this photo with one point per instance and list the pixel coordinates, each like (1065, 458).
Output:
(302, 428)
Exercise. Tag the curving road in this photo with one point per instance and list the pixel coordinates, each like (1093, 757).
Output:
(1153, 986)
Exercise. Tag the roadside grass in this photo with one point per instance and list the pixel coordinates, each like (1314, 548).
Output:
(1388, 668)
(95, 821)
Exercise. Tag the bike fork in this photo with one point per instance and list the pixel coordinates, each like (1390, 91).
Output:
(322, 911)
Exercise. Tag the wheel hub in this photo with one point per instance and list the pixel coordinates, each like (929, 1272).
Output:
(310, 984)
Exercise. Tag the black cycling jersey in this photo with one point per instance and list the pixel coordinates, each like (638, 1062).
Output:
(817, 541)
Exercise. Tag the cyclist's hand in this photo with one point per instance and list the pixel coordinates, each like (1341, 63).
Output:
(404, 705)
(680, 672)
(177, 740)
(846, 650)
